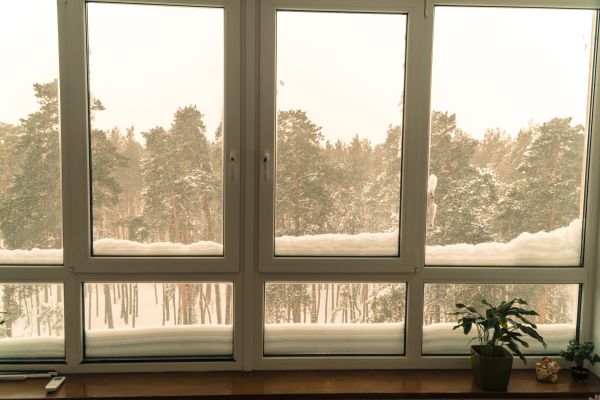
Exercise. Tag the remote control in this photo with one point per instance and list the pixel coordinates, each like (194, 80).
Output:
(54, 384)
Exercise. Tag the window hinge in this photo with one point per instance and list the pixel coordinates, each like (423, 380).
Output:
(426, 10)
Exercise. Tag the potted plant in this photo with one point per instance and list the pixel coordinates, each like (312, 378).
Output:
(498, 328)
(578, 353)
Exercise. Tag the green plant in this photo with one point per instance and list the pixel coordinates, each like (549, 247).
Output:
(579, 352)
(502, 325)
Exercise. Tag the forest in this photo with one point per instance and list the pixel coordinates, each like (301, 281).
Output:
(164, 185)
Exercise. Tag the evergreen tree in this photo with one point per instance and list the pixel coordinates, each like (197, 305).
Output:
(466, 195)
(300, 195)
(31, 216)
(548, 194)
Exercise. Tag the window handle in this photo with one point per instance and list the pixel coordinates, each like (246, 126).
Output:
(266, 158)
(232, 160)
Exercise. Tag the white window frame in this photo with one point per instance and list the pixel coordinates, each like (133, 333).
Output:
(412, 123)
(250, 107)
(77, 101)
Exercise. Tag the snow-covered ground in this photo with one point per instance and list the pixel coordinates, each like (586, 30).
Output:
(33, 256)
(362, 244)
(280, 339)
(182, 340)
(559, 247)
(441, 339)
(115, 247)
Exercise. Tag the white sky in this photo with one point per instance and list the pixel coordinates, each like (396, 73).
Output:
(493, 67)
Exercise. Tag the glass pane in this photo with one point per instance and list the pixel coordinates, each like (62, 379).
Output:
(157, 319)
(556, 305)
(33, 316)
(156, 108)
(340, 97)
(30, 174)
(508, 136)
(325, 318)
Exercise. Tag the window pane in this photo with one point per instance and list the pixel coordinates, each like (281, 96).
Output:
(556, 305)
(508, 135)
(33, 317)
(340, 97)
(324, 318)
(30, 174)
(158, 319)
(156, 104)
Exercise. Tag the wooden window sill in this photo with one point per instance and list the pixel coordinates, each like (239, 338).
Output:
(369, 384)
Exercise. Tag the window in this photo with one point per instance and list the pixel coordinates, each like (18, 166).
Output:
(557, 306)
(33, 316)
(509, 135)
(30, 154)
(156, 149)
(338, 133)
(158, 319)
(292, 184)
(323, 318)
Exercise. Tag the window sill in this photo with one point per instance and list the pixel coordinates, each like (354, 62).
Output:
(371, 384)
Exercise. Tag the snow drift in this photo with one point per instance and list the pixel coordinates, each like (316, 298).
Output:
(441, 339)
(32, 347)
(560, 247)
(280, 339)
(333, 244)
(182, 340)
(33, 256)
(114, 247)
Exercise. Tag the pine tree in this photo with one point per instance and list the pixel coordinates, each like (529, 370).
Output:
(300, 195)
(466, 195)
(548, 194)
(31, 216)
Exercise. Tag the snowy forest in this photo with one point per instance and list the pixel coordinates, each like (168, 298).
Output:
(163, 187)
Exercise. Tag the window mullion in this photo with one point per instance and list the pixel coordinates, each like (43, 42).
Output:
(73, 116)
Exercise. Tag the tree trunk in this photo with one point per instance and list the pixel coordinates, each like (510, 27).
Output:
(218, 302)
(228, 299)
(176, 231)
(108, 307)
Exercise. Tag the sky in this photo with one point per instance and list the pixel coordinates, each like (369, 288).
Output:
(493, 67)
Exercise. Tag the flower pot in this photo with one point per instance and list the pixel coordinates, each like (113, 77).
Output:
(581, 375)
(489, 372)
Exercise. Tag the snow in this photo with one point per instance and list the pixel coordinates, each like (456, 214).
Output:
(114, 247)
(33, 256)
(381, 338)
(182, 340)
(362, 244)
(441, 339)
(32, 347)
(280, 339)
(560, 247)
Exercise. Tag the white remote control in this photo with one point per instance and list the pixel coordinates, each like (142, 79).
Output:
(54, 384)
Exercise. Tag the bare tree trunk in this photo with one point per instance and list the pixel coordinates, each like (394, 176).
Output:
(543, 304)
(314, 302)
(326, 300)
(208, 301)
(37, 308)
(228, 299)
(97, 302)
(218, 302)
(201, 305)
(89, 314)
(108, 307)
